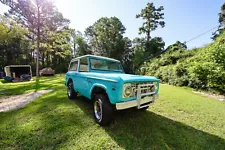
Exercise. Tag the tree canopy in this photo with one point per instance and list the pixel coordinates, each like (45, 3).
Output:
(176, 46)
(221, 21)
(54, 30)
(13, 43)
(148, 47)
(106, 38)
(59, 43)
(153, 17)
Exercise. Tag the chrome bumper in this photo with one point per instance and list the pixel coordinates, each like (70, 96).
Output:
(140, 102)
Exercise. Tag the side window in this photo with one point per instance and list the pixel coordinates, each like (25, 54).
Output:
(83, 65)
(73, 66)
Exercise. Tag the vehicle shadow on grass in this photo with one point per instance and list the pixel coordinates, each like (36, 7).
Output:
(47, 123)
(133, 129)
(53, 122)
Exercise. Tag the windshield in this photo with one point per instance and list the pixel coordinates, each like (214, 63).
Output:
(106, 65)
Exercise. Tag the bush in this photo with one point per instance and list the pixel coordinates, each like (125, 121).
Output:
(202, 68)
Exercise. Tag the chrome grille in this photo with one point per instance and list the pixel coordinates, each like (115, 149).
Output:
(146, 87)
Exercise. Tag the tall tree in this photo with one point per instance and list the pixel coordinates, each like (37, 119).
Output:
(82, 46)
(154, 46)
(73, 41)
(79, 44)
(144, 50)
(153, 17)
(14, 46)
(25, 12)
(127, 56)
(222, 16)
(148, 47)
(139, 52)
(105, 38)
(221, 20)
(53, 27)
(176, 46)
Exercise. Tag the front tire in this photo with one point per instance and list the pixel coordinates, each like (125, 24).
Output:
(70, 91)
(102, 109)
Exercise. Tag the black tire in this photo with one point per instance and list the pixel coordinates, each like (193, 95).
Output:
(102, 109)
(70, 91)
(144, 108)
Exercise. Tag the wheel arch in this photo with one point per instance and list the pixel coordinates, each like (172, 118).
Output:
(69, 80)
(97, 89)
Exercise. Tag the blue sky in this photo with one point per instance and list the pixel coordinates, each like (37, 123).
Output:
(184, 19)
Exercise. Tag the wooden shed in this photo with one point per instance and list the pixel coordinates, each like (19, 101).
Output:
(16, 71)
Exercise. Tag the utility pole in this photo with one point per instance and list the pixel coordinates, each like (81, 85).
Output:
(38, 42)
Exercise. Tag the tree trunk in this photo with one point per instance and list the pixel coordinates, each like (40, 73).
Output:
(47, 59)
(43, 60)
(148, 36)
(38, 44)
(148, 30)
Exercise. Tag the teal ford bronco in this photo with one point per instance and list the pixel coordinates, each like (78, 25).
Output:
(103, 81)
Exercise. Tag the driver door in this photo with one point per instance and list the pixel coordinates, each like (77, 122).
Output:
(82, 74)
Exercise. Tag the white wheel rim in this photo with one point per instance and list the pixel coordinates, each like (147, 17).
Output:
(69, 90)
(98, 110)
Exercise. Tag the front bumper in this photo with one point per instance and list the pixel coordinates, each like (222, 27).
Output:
(134, 103)
(142, 99)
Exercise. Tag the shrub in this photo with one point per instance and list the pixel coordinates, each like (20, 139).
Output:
(202, 68)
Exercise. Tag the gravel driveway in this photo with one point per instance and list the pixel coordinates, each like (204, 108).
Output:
(18, 101)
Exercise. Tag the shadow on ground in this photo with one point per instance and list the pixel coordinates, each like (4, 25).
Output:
(47, 123)
(133, 129)
(53, 122)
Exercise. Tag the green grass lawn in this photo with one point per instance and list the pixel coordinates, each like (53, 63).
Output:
(179, 119)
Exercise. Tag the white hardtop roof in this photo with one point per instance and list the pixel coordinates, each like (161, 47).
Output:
(94, 56)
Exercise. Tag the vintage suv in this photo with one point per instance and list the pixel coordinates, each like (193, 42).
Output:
(103, 81)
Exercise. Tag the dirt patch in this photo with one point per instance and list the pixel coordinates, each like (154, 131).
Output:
(18, 101)
(218, 97)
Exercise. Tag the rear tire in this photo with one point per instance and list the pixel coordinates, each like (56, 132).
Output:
(102, 109)
(70, 91)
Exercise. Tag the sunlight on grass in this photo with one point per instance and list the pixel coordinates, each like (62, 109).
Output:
(31, 86)
(180, 119)
(37, 84)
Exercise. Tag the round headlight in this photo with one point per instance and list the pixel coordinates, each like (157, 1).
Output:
(127, 91)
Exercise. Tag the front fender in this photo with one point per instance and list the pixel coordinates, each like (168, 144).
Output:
(110, 94)
(97, 85)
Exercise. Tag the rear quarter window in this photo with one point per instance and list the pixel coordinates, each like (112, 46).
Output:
(83, 65)
(73, 66)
